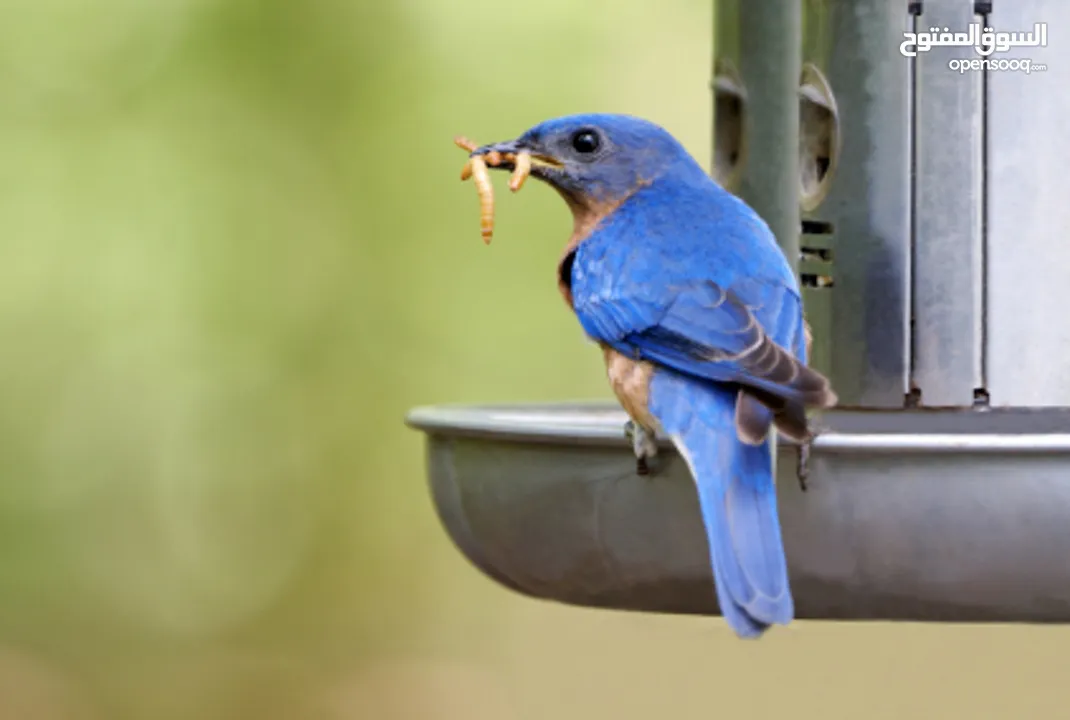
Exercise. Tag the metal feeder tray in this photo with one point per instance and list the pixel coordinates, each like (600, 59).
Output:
(923, 515)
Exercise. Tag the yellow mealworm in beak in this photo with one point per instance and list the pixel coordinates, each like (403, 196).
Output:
(486, 197)
(466, 171)
(464, 143)
(521, 171)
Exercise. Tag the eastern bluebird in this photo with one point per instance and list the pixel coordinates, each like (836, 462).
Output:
(700, 321)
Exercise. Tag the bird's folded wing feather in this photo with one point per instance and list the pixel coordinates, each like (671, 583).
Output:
(704, 330)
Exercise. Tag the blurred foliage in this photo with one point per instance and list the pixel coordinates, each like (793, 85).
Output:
(235, 252)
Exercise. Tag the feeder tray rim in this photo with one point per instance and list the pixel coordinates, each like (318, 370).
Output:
(952, 431)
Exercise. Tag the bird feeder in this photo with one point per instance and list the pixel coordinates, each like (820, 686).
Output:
(923, 205)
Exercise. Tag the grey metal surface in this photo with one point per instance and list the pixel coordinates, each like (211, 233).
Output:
(861, 324)
(948, 201)
(1028, 338)
(730, 147)
(940, 205)
(816, 263)
(545, 500)
(764, 47)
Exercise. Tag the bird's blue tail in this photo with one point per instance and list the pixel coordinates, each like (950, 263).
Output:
(737, 496)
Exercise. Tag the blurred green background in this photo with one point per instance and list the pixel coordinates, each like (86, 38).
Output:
(234, 252)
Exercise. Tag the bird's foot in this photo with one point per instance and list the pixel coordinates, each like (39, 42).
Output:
(804, 449)
(803, 465)
(644, 446)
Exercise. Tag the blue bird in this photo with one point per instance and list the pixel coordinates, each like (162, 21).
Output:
(700, 321)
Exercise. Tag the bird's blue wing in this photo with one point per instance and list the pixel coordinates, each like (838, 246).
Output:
(705, 330)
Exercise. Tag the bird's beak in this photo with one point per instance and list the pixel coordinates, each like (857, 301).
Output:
(507, 147)
(541, 164)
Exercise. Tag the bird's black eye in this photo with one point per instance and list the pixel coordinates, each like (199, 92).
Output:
(585, 141)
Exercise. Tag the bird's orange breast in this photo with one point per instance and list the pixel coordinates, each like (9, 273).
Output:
(630, 380)
(586, 217)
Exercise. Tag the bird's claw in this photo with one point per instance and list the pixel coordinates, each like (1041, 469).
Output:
(643, 445)
(804, 450)
(803, 465)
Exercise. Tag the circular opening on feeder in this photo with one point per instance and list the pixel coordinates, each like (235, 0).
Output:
(729, 108)
(819, 137)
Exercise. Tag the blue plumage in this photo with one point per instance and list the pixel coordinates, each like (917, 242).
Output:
(686, 288)
(737, 498)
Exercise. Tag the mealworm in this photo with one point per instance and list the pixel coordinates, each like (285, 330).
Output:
(521, 171)
(486, 197)
(464, 143)
(476, 168)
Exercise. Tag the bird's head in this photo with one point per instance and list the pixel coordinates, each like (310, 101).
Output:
(595, 161)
